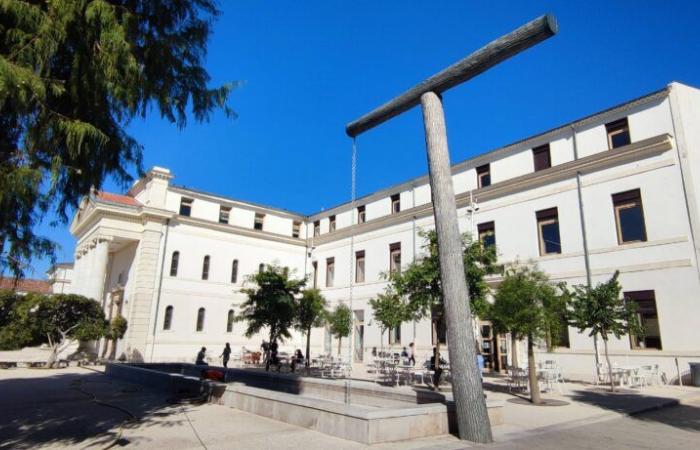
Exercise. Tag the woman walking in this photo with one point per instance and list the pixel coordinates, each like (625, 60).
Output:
(226, 354)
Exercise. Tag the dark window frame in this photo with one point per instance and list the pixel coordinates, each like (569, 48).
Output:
(330, 272)
(542, 157)
(483, 230)
(168, 318)
(230, 318)
(645, 299)
(547, 217)
(628, 200)
(617, 128)
(331, 223)
(395, 203)
(483, 175)
(205, 267)
(361, 214)
(174, 263)
(394, 249)
(234, 271)
(224, 214)
(201, 317)
(259, 222)
(360, 258)
(186, 206)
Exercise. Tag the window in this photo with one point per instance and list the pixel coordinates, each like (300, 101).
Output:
(483, 175)
(618, 133)
(229, 321)
(542, 157)
(629, 217)
(330, 271)
(314, 265)
(200, 319)
(395, 203)
(174, 262)
(317, 228)
(259, 219)
(548, 231)
(168, 318)
(395, 336)
(224, 213)
(331, 224)
(360, 266)
(648, 319)
(296, 229)
(234, 271)
(185, 206)
(361, 214)
(487, 234)
(395, 257)
(261, 268)
(205, 268)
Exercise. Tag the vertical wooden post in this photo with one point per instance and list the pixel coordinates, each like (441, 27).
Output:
(472, 415)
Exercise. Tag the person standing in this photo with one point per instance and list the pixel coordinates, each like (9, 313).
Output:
(412, 354)
(226, 354)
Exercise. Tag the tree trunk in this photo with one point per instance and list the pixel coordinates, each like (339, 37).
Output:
(112, 349)
(308, 347)
(607, 358)
(53, 357)
(472, 416)
(535, 397)
(514, 351)
(597, 357)
(340, 340)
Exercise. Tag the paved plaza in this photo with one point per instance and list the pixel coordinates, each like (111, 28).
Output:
(82, 408)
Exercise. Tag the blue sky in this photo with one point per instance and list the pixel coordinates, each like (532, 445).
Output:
(310, 67)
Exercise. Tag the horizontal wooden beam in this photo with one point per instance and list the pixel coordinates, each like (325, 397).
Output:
(481, 60)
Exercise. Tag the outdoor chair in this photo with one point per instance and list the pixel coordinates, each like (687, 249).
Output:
(517, 379)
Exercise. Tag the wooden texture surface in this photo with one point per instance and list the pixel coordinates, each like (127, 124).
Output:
(472, 415)
(488, 56)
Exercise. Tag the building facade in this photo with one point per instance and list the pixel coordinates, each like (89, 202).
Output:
(618, 190)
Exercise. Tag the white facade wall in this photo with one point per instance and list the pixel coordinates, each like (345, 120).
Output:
(662, 168)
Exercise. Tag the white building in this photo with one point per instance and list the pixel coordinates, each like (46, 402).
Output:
(618, 190)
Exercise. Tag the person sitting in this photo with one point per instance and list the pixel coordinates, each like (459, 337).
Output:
(298, 358)
(404, 353)
(201, 356)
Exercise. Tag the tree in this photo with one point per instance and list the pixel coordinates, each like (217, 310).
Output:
(340, 323)
(603, 312)
(14, 309)
(310, 313)
(60, 319)
(390, 310)
(524, 305)
(271, 303)
(117, 328)
(73, 75)
(420, 282)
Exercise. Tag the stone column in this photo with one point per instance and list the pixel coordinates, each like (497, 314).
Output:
(99, 257)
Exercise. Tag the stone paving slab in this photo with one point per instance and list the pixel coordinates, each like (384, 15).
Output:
(42, 408)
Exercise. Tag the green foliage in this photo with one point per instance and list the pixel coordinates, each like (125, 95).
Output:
(603, 311)
(63, 317)
(340, 321)
(117, 327)
(526, 304)
(271, 303)
(420, 282)
(390, 310)
(73, 75)
(310, 310)
(14, 311)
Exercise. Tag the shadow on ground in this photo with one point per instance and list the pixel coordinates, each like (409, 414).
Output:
(685, 417)
(68, 409)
